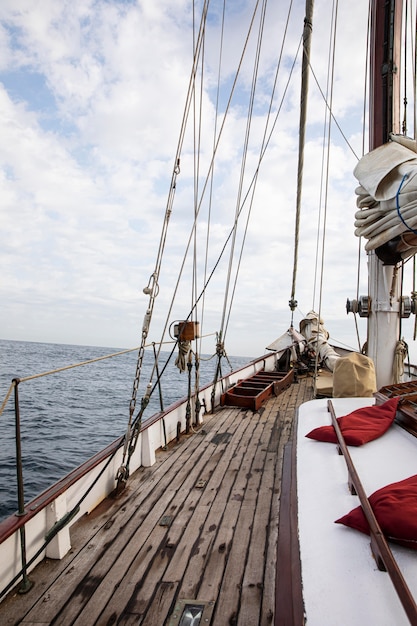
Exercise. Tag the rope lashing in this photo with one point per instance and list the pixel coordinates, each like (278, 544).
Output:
(397, 205)
(401, 351)
(220, 351)
(293, 305)
(414, 308)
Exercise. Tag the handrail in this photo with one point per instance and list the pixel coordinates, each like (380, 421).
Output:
(17, 523)
(380, 548)
(7, 528)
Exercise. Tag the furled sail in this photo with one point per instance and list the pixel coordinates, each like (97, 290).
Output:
(312, 339)
(290, 339)
(387, 196)
(312, 328)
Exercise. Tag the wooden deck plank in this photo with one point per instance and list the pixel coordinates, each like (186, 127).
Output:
(131, 566)
(188, 511)
(279, 437)
(205, 569)
(192, 543)
(146, 485)
(253, 584)
(219, 546)
(234, 599)
(186, 542)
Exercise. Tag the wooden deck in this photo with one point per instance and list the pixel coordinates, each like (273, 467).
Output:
(201, 525)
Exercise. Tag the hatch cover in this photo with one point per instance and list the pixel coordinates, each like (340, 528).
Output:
(191, 613)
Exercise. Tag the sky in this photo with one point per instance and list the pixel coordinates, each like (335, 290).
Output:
(92, 94)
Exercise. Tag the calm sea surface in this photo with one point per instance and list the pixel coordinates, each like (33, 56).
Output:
(69, 416)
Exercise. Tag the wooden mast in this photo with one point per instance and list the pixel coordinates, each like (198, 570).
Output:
(384, 280)
(305, 71)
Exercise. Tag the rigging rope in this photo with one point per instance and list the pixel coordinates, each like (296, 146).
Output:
(243, 160)
(265, 141)
(153, 288)
(197, 210)
(325, 157)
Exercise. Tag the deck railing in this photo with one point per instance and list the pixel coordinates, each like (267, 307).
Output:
(41, 527)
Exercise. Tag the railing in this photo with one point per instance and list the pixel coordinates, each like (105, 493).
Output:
(22, 513)
(43, 524)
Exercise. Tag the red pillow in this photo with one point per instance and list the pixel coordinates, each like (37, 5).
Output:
(395, 508)
(360, 426)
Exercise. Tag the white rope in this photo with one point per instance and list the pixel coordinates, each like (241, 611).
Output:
(401, 351)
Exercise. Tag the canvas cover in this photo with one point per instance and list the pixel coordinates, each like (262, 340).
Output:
(387, 195)
(354, 377)
(312, 328)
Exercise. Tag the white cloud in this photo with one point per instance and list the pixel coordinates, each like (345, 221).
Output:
(91, 102)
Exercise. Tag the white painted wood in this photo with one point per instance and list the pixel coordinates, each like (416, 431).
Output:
(341, 582)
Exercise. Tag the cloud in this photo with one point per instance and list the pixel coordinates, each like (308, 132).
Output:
(91, 100)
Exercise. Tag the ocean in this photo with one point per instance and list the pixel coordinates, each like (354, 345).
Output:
(69, 416)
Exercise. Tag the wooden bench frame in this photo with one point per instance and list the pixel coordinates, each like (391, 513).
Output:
(380, 548)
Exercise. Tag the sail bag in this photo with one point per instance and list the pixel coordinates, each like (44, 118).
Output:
(354, 377)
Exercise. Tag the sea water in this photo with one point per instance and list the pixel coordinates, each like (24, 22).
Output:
(68, 416)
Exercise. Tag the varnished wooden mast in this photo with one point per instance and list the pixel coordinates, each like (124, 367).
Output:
(383, 289)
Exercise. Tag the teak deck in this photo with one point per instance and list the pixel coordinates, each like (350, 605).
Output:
(200, 525)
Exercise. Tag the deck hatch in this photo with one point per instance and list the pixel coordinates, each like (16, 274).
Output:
(191, 613)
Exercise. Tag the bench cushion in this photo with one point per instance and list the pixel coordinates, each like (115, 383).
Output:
(360, 426)
(395, 508)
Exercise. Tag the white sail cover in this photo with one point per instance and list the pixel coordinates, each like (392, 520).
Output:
(312, 336)
(387, 194)
(288, 339)
(316, 336)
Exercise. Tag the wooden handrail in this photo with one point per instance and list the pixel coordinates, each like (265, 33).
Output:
(380, 548)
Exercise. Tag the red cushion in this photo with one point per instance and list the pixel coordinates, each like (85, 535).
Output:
(360, 426)
(395, 508)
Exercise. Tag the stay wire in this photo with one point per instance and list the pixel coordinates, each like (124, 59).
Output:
(153, 287)
(210, 168)
(208, 178)
(332, 67)
(265, 141)
(326, 123)
(243, 162)
(226, 242)
(211, 187)
(365, 102)
(196, 213)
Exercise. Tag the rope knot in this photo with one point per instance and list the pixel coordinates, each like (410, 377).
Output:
(220, 348)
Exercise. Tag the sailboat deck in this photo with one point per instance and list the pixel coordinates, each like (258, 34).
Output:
(201, 524)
